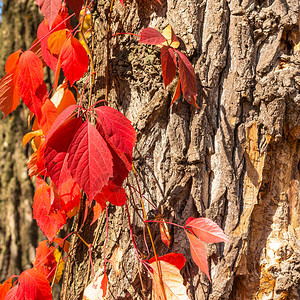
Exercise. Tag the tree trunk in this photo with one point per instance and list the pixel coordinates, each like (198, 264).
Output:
(234, 160)
(18, 231)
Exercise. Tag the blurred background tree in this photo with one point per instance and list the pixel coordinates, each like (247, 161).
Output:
(18, 231)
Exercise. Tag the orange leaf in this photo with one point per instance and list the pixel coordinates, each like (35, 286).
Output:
(63, 98)
(44, 261)
(30, 135)
(172, 282)
(98, 209)
(62, 244)
(56, 40)
(49, 115)
(164, 231)
(5, 287)
(198, 252)
(12, 61)
(9, 92)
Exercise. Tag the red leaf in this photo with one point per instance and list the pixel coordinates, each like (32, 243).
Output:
(176, 259)
(62, 118)
(48, 220)
(198, 252)
(90, 161)
(168, 64)
(49, 59)
(30, 81)
(74, 59)
(33, 285)
(60, 21)
(206, 230)
(113, 193)
(76, 6)
(117, 129)
(188, 79)
(68, 190)
(44, 261)
(11, 295)
(172, 282)
(12, 61)
(56, 149)
(151, 36)
(43, 35)
(49, 8)
(120, 171)
(9, 92)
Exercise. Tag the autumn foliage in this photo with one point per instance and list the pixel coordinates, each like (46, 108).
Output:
(82, 155)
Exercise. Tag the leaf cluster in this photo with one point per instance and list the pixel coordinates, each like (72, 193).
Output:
(78, 164)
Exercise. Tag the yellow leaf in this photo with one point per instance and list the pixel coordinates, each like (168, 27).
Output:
(61, 265)
(85, 27)
(172, 40)
(30, 135)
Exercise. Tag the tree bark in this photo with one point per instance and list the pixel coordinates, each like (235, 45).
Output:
(234, 160)
(18, 231)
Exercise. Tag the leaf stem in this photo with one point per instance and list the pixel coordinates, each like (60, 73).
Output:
(106, 238)
(51, 31)
(88, 245)
(91, 259)
(156, 221)
(60, 256)
(150, 235)
(129, 33)
(107, 48)
(55, 247)
(144, 198)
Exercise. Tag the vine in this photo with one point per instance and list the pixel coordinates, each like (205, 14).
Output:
(77, 164)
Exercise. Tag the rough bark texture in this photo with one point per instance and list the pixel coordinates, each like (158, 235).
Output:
(234, 160)
(18, 231)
